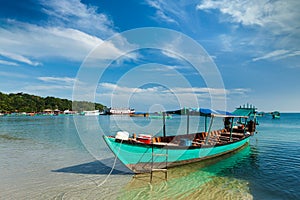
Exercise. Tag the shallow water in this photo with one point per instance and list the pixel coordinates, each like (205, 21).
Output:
(64, 157)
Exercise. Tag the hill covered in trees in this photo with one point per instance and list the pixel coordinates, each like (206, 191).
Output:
(21, 102)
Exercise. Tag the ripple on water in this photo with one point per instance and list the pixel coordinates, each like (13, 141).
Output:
(205, 186)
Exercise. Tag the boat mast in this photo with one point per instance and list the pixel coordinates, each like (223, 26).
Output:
(164, 124)
(187, 122)
(205, 124)
(231, 129)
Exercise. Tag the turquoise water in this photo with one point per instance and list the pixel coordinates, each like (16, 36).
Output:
(64, 157)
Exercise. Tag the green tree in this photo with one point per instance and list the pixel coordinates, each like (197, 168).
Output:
(22, 102)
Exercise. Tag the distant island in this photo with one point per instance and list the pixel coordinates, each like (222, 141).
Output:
(26, 103)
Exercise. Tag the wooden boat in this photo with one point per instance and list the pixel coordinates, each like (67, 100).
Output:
(144, 153)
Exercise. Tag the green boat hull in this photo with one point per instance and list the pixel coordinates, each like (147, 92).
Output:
(141, 157)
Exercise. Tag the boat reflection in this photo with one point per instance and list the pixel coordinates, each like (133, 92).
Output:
(210, 179)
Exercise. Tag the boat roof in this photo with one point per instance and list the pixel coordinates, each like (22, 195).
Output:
(243, 112)
(219, 113)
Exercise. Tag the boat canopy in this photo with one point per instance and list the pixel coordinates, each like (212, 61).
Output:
(218, 113)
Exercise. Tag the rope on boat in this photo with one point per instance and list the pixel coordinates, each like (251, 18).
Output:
(112, 168)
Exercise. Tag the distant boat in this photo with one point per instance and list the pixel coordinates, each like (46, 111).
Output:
(160, 116)
(90, 113)
(56, 112)
(260, 114)
(275, 115)
(248, 110)
(139, 114)
(120, 111)
(48, 112)
(146, 153)
(69, 112)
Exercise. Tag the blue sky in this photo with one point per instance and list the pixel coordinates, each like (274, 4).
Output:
(253, 44)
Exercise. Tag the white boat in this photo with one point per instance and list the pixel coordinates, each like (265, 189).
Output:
(120, 111)
(69, 112)
(91, 112)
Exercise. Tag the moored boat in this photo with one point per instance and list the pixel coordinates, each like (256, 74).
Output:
(120, 111)
(275, 115)
(91, 113)
(160, 116)
(143, 153)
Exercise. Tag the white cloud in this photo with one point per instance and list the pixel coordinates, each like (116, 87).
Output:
(170, 54)
(161, 13)
(181, 48)
(116, 89)
(72, 31)
(277, 54)
(245, 12)
(257, 24)
(269, 27)
(212, 91)
(181, 12)
(111, 88)
(76, 15)
(238, 91)
(50, 79)
(18, 58)
(197, 90)
(170, 98)
(22, 40)
(4, 62)
(278, 16)
(55, 42)
(61, 86)
(168, 69)
(226, 42)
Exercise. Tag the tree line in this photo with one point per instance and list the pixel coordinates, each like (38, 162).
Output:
(21, 102)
